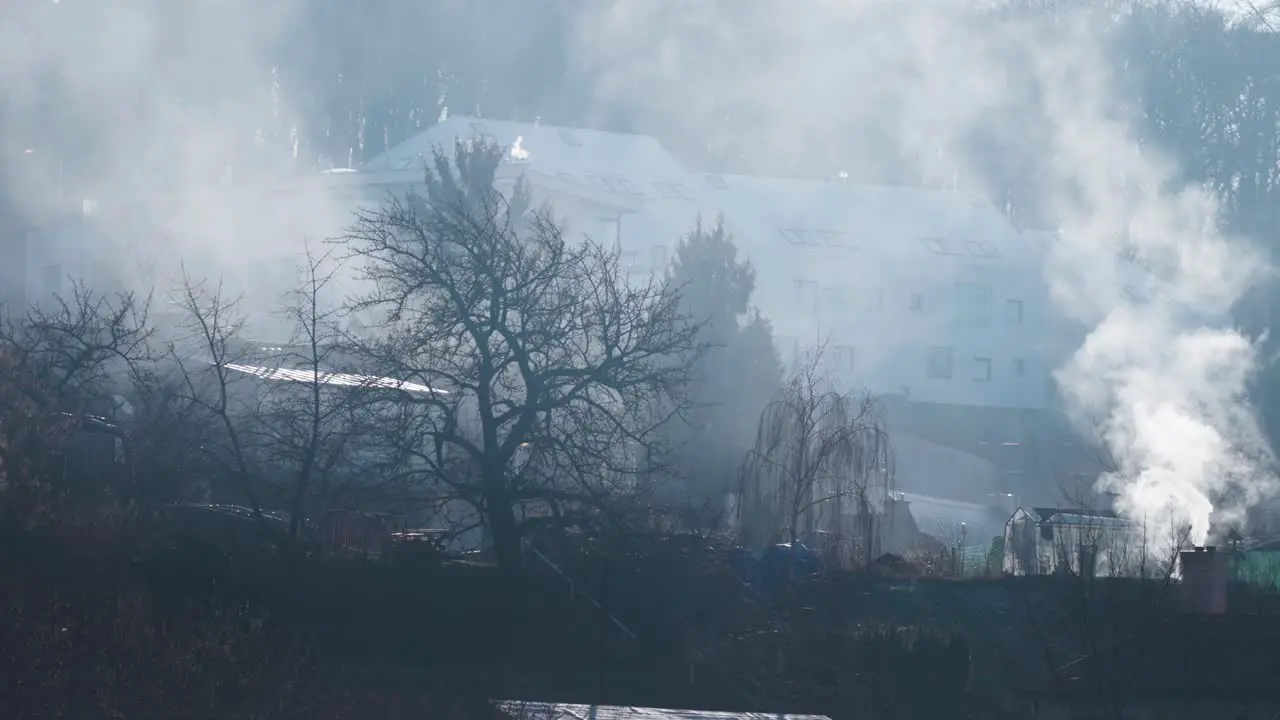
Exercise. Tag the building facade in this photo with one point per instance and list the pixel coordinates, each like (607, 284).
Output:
(928, 298)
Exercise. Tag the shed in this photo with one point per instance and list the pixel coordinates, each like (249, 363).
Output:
(1045, 541)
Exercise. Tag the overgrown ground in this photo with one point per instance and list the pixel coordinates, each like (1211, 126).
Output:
(102, 619)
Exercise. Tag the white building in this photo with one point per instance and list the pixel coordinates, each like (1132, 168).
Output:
(921, 292)
(931, 297)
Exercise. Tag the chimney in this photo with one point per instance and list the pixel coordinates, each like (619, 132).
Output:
(1204, 581)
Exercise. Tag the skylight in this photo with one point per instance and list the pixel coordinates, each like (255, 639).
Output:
(982, 249)
(818, 238)
(838, 239)
(800, 237)
(675, 191)
(937, 246)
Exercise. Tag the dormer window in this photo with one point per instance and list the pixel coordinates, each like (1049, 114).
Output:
(938, 246)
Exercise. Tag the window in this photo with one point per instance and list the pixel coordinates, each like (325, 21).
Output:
(832, 299)
(844, 358)
(917, 302)
(1019, 367)
(803, 288)
(287, 272)
(875, 301)
(818, 238)
(53, 279)
(675, 191)
(1013, 312)
(659, 257)
(973, 304)
(611, 230)
(571, 138)
(982, 369)
(939, 363)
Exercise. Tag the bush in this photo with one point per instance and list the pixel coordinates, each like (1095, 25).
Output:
(82, 636)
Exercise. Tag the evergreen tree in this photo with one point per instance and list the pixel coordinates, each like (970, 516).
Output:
(738, 372)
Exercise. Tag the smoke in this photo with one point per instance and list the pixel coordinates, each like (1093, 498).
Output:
(937, 91)
(159, 114)
(925, 91)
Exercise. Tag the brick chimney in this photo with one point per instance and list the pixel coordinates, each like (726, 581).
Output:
(1204, 581)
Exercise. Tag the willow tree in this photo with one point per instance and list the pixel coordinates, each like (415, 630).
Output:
(821, 462)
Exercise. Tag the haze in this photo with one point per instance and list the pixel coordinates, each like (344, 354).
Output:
(1038, 112)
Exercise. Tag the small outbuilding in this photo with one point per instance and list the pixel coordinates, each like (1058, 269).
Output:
(1046, 541)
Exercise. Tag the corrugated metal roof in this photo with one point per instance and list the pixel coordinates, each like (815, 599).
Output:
(548, 711)
(331, 378)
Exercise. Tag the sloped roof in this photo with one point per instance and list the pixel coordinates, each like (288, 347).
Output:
(767, 212)
(635, 162)
(883, 219)
(1075, 516)
(935, 516)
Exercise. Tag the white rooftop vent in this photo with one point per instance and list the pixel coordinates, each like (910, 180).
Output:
(518, 153)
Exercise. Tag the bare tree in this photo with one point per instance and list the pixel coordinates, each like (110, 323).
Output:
(59, 364)
(206, 361)
(1096, 623)
(81, 348)
(303, 421)
(820, 458)
(319, 423)
(550, 373)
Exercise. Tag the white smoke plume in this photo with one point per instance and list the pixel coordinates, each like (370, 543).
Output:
(181, 105)
(1161, 377)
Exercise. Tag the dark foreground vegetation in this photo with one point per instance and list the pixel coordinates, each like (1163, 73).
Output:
(103, 618)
